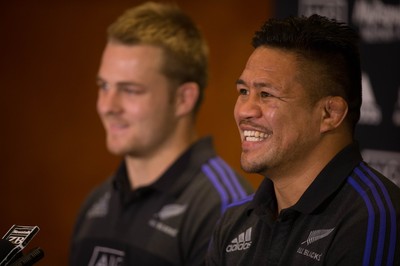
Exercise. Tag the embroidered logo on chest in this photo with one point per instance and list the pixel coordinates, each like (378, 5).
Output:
(241, 242)
(314, 236)
(159, 220)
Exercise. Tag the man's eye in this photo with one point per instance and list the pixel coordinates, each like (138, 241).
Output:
(243, 92)
(131, 89)
(265, 94)
(102, 86)
(127, 90)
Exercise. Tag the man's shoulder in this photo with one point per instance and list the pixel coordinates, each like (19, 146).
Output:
(101, 190)
(238, 212)
(217, 170)
(222, 182)
(213, 187)
(369, 183)
(238, 220)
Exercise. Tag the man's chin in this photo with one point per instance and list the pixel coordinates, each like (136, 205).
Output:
(249, 166)
(116, 150)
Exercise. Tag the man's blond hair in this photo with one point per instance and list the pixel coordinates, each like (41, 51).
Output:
(168, 27)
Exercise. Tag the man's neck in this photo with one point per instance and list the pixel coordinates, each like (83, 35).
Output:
(290, 184)
(143, 171)
(289, 191)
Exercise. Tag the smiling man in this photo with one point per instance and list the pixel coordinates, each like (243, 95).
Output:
(320, 203)
(161, 204)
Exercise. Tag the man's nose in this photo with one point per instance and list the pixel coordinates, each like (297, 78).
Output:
(109, 102)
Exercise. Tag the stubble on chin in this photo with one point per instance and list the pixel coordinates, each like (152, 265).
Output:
(251, 166)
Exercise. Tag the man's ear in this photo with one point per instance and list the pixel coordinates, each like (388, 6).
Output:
(334, 112)
(186, 98)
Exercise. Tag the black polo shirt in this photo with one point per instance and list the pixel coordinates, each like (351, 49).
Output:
(349, 215)
(168, 222)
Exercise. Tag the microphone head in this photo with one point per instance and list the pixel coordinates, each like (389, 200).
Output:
(29, 259)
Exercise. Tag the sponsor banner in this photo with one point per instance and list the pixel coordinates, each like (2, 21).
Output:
(378, 23)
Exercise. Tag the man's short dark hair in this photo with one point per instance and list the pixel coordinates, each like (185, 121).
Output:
(328, 56)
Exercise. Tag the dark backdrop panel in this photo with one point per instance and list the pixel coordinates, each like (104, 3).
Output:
(378, 23)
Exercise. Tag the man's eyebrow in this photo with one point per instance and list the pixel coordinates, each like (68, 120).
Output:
(240, 82)
(257, 85)
(100, 80)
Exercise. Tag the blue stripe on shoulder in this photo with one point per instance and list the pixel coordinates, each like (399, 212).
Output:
(392, 215)
(224, 180)
(242, 201)
(234, 178)
(371, 219)
(374, 185)
(225, 177)
(214, 180)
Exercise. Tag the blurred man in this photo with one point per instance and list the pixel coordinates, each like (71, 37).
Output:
(160, 206)
(320, 203)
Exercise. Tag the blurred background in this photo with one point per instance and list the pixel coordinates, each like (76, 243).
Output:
(53, 145)
(52, 142)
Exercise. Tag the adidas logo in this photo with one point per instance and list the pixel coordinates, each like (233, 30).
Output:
(241, 242)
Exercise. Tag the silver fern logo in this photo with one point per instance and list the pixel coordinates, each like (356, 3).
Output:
(160, 219)
(171, 210)
(316, 235)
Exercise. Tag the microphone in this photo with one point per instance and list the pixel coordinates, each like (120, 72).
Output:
(29, 259)
(14, 241)
(7, 250)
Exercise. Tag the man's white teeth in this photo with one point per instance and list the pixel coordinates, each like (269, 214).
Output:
(252, 135)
